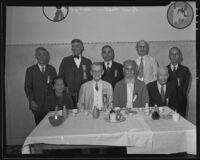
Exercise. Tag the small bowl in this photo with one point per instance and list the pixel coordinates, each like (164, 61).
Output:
(75, 111)
(56, 122)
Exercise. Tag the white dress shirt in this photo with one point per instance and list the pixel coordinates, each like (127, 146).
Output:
(78, 61)
(138, 61)
(172, 67)
(98, 94)
(159, 87)
(41, 67)
(130, 88)
(106, 64)
(149, 68)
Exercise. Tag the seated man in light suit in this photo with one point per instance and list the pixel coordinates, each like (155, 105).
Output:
(130, 92)
(91, 92)
(161, 92)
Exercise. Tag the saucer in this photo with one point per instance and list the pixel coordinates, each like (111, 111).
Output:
(108, 120)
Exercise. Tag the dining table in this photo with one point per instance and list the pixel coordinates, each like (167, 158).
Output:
(137, 131)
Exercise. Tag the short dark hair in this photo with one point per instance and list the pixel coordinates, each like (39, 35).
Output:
(41, 48)
(175, 48)
(76, 41)
(56, 78)
(108, 47)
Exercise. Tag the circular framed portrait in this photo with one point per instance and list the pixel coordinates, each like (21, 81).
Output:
(180, 15)
(55, 14)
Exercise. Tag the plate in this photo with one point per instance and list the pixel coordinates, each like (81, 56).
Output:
(108, 120)
(169, 116)
(131, 112)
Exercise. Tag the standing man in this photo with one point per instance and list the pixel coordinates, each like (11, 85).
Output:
(75, 69)
(113, 71)
(181, 76)
(147, 65)
(38, 80)
(130, 92)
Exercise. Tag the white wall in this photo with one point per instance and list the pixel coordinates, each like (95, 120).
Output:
(27, 25)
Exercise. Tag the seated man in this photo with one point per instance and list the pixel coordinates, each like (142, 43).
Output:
(161, 92)
(92, 92)
(130, 92)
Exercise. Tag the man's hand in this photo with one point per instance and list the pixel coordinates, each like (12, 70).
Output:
(34, 106)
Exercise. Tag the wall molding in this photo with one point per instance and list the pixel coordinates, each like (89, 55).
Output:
(85, 43)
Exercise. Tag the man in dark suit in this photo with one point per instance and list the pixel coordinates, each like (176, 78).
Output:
(37, 85)
(180, 75)
(75, 69)
(161, 92)
(130, 92)
(113, 71)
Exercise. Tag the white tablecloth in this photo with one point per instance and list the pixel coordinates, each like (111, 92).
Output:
(139, 133)
(169, 137)
(84, 130)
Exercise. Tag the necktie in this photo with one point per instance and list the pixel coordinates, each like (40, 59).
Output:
(174, 68)
(43, 70)
(141, 68)
(108, 66)
(96, 86)
(162, 94)
(76, 57)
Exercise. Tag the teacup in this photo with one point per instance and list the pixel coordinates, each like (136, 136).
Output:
(74, 111)
(87, 112)
(147, 112)
(60, 112)
(176, 117)
(161, 109)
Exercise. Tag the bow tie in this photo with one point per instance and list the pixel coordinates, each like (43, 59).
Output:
(76, 57)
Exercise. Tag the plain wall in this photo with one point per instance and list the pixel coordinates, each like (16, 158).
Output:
(27, 27)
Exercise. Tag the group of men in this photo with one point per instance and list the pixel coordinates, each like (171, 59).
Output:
(134, 84)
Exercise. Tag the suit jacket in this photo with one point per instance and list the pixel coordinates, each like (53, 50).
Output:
(86, 94)
(38, 86)
(52, 101)
(150, 68)
(120, 94)
(183, 74)
(74, 76)
(155, 96)
(114, 74)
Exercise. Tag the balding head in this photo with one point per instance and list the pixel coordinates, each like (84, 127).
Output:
(142, 48)
(162, 75)
(175, 55)
(107, 53)
(130, 69)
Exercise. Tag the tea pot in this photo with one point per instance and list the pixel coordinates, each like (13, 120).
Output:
(95, 112)
(155, 114)
(112, 116)
(118, 115)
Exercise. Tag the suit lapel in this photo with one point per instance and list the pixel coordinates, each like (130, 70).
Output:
(157, 92)
(167, 94)
(91, 93)
(135, 89)
(124, 91)
(82, 59)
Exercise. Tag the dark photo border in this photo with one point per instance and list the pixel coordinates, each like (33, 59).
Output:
(4, 4)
